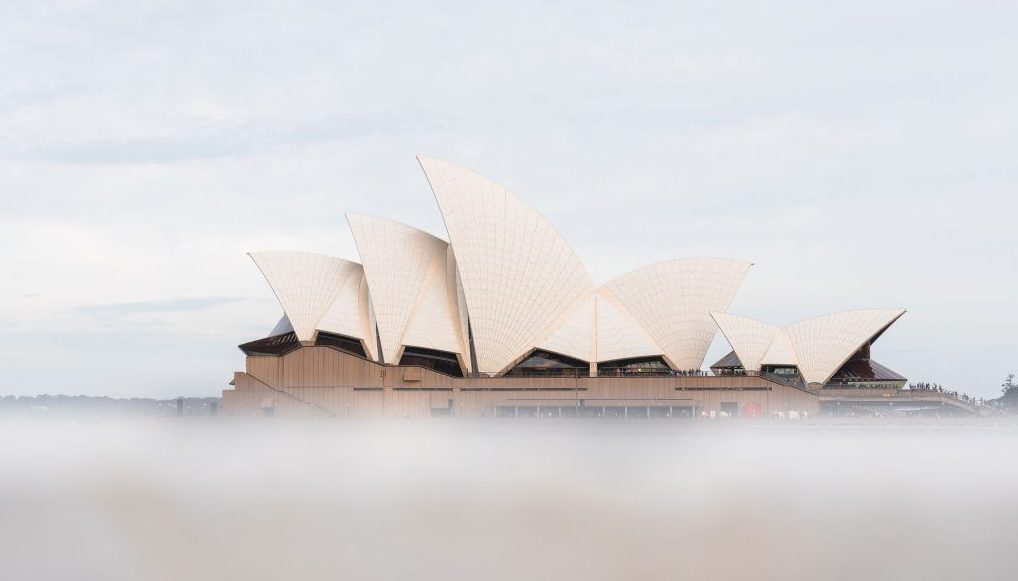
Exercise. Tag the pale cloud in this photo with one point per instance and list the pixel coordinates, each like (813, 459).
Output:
(178, 305)
(224, 138)
(862, 155)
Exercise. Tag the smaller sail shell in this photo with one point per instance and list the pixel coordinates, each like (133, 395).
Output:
(306, 284)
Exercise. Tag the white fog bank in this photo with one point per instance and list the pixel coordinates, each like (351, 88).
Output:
(211, 499)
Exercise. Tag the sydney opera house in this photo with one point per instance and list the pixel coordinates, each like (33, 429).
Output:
(502, 319)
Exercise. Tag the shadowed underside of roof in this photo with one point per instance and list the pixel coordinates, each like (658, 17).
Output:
(730, 361)
(866, 370)
(856, 369)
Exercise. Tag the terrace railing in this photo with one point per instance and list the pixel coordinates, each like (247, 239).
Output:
(578, 373)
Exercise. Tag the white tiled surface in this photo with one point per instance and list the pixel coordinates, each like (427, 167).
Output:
(346, 315)
(818, 346)
(517, 271)
(749, 338)
(367, 317)
(619, 336)
(521, 286)
(306, 284)
(825, 343)
(780, 351)
(673, 300)
(458, 307)
(574, 336)
(406, 273)
(434, 323)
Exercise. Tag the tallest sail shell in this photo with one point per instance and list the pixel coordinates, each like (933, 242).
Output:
(519, 274)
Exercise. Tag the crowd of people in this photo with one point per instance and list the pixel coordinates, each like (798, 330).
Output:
(692, 373)
(937, 388)
(635, 371)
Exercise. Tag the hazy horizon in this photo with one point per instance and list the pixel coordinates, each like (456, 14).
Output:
(861, 156)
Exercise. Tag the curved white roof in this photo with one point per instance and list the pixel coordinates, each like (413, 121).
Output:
(619, 336)
(750, 339)
(509, 277)
(780, 352)
(434, 323)
(351, 315)
(518, 273)
(825, 343)
(305, 284)
(818, 347)
(367, 317)
(458, 306)
(408, 285)
(575, 335)
(673, 301)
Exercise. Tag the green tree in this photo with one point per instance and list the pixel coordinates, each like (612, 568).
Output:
(1009, 384)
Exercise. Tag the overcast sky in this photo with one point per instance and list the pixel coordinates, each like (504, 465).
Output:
(862, 154)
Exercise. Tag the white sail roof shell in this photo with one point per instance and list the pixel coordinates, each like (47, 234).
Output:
(598, 328)
(823, 344)
(510, 275)
(518, 273)
(305, 283)
(619, 336)
(780, 351)
(575, 335)
(750, 339)
(818, 346)
(434, 322)
(406, 271)
(673, 300)
(351, 314)
(458, 306)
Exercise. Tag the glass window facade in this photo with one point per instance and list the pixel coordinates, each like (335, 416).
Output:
(634, 366)
(440, 361)
(341, 342)
(548, 364)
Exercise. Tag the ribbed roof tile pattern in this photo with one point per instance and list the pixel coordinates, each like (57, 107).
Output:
(818, 346)
(512, 279)
(780, 351)
(349, 314)
(575, 335)
(367, 316)
(458, 306)
(517, 271)
(406, 273)
(825, 343)
(749, 338)
(673, 300)
(434, 322)
(305, 284)
(619, 336)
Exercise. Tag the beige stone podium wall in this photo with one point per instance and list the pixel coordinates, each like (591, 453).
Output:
(326, 381)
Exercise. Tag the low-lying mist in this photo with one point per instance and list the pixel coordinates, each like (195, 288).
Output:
(272, 499)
